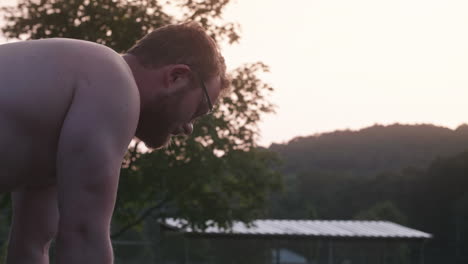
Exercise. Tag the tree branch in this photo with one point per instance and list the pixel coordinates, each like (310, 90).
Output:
(133, 154)
(145, 214)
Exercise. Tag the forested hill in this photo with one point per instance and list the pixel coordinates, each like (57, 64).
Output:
(372, 150)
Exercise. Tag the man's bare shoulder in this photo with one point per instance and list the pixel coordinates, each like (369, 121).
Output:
(104, 73)
(61, 47)
(56, 44)
(72, 54)
(40, 82)
(65, 64)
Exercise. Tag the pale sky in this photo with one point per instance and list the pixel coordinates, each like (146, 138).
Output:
(339, 64)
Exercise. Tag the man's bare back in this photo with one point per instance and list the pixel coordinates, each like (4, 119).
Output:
(37, 83)
(68, 111)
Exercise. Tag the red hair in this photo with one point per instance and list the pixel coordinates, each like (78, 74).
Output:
(185, 43)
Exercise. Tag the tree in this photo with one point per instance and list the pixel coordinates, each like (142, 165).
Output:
(114, 23)
(219, 173)
(385, 211)
(444, 205)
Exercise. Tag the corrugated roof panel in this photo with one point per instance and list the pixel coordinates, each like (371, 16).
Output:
(364, 228)
(313, 228)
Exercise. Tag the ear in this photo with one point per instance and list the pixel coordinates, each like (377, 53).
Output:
(178, 77)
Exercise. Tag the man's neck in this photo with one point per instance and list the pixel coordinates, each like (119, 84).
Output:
(138, 72)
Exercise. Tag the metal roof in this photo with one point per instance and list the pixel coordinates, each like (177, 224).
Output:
(308, 228)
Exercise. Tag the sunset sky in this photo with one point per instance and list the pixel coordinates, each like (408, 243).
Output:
(339, 64)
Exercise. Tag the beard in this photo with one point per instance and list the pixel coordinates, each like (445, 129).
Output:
(153, 138)
(153, 129)
(157, 144)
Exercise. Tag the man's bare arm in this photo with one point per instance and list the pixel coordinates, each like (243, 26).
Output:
(95, 135)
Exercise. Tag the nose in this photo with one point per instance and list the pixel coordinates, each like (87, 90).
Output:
(188, 128)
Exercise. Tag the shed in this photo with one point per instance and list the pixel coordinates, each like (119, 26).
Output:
(314, 241)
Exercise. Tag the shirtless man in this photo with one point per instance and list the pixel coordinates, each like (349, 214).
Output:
(68, 111)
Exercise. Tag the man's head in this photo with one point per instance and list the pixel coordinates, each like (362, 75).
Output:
(173, 65)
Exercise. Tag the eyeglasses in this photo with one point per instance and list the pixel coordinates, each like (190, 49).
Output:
(207, 96)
